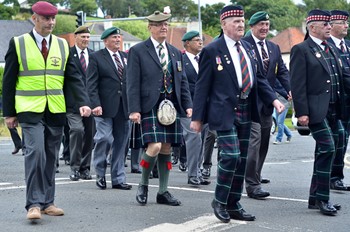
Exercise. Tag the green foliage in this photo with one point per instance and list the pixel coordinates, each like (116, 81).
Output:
(64, 24)
(136, 28)
(211, 18)
(88, 6)
(6, 12)
(326, 5)
(1, 75)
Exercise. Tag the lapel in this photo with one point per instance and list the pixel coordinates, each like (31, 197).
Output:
(252, 56)
(76, 58)
(152, 52)
(251, 40)
(110, 62)
(226, 59)
(173, 58)
(315, 50)
(188, 65)
(272, 65)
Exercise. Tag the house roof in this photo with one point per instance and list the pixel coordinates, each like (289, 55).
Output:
(175, 35)
(9, 29)
(288, 38)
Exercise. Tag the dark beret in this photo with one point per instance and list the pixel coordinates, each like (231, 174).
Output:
(231, 11)
(189, 35)
(157, 16)
(82, 29)
(44, 8)
(339, 15)
(318, 15)
(257, 17)
(110, 31)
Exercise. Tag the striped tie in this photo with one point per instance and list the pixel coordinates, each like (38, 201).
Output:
(246, 85)
(162, 57)
(44, 50)
(82, 60)
(326, 47)
(265, 58)
(342, 47)
(119, 65)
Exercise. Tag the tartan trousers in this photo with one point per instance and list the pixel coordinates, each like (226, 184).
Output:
(338, 162)
(327, 135)
(233, 147)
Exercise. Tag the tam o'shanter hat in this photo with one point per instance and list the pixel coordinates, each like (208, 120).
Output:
(231, 11)
(318, 15)
(157, 16)
(339, 15)
(44, 8)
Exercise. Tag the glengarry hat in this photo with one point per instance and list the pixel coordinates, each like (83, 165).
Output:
(339, 15)
(318, 15)
(231, 11)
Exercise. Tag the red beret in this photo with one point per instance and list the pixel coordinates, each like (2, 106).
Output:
(44, 8)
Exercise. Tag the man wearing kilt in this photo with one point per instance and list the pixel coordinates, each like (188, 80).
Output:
(317, 83)
(155, 75)
(225, 97)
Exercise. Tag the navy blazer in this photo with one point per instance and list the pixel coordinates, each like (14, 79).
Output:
(145, 76)
(105, 87)
(276, 69)
(191, 74)
(71, 105)
(71, 78)
(310, 81)
(217, 91)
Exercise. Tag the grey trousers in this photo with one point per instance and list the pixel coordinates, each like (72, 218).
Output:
(42, 144)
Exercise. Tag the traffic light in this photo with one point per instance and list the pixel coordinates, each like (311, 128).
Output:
(80, 18)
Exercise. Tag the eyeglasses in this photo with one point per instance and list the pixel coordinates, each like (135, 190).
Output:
(324, 24)
(341, 23)
(160, 24)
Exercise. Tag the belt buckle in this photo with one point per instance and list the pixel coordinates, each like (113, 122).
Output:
(244, 96)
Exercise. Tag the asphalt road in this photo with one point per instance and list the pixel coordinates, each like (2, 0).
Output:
(289, 166)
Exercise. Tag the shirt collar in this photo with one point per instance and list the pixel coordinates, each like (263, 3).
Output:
(40, 38)
(230, 42)
(337, 41)
(258, 40)
(316, 40)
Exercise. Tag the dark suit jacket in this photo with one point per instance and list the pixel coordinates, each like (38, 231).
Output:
(72, 78)
(191, 74)
(104, 85)
(145, 75)
(217, 91)
(310, 81)
(71, 105)
(276, 69)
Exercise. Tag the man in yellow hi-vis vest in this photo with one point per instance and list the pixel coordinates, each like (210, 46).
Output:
(37, 66)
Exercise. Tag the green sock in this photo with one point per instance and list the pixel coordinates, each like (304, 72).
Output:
(147, 163)
(164, 166)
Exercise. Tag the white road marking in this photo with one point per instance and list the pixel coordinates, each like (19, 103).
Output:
(5, 183)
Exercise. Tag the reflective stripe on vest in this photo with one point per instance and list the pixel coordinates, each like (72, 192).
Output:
(39, 83)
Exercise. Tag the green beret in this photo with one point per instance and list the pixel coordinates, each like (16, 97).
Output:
(82, 29)
(257, 17)
(157, 16)
(190, 35)
(110, 31)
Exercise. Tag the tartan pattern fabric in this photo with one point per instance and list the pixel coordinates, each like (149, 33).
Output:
(119, 65)
(326, 135)
(246, 85)
(82, 60)
(338, 162)
(265, 58)
(342, 47)
(162, 57)
(44, 49)
(233, 147)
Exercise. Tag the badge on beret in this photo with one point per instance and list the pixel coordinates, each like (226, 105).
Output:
(218, 62)
(179, 66)
(318, 55)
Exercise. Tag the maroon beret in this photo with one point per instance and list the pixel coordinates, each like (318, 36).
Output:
(44, 8)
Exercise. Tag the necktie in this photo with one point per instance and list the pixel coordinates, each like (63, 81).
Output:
(162, 57)
(82, 60)
(196, 58)
(245, 71)
(342, 47)
(44, 50)
(119, 65)
(326, 47)
(265, 58)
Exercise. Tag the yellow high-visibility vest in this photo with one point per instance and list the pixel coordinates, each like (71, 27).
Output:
(39, 83)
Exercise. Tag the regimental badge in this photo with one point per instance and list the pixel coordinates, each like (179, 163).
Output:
(55, 61)
(318, 55)
(227, 60)
(219, 63)
(179, 66)
(125, 61)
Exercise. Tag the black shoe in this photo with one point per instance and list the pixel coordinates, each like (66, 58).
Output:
(183, 167)
(167, 199)
(265, 181)
(339, 185)
(193, 180)
(241, 215)
(16, 150)
(62, 157)
(206, 173)
(142, 194)
(326, 208)
(101, 182)
(66, 162)
(314, 206)
(259, 194)
(85, 175)
(220, 211)
(74, 175)
(136, 171)
(122, 186)
(174, 160)
(203, 181)
(57, 171)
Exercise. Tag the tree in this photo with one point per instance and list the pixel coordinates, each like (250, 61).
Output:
(7, 12)
(210, 15)
(88, 6)
(326, 5)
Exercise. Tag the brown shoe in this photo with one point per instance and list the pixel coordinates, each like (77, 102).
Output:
(34, 213)
(52, 210)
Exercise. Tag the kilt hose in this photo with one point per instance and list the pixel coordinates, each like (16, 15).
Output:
(338, 162)
(233, 147)
(327, 135)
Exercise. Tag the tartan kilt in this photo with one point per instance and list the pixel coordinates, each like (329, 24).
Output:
(154, 132)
